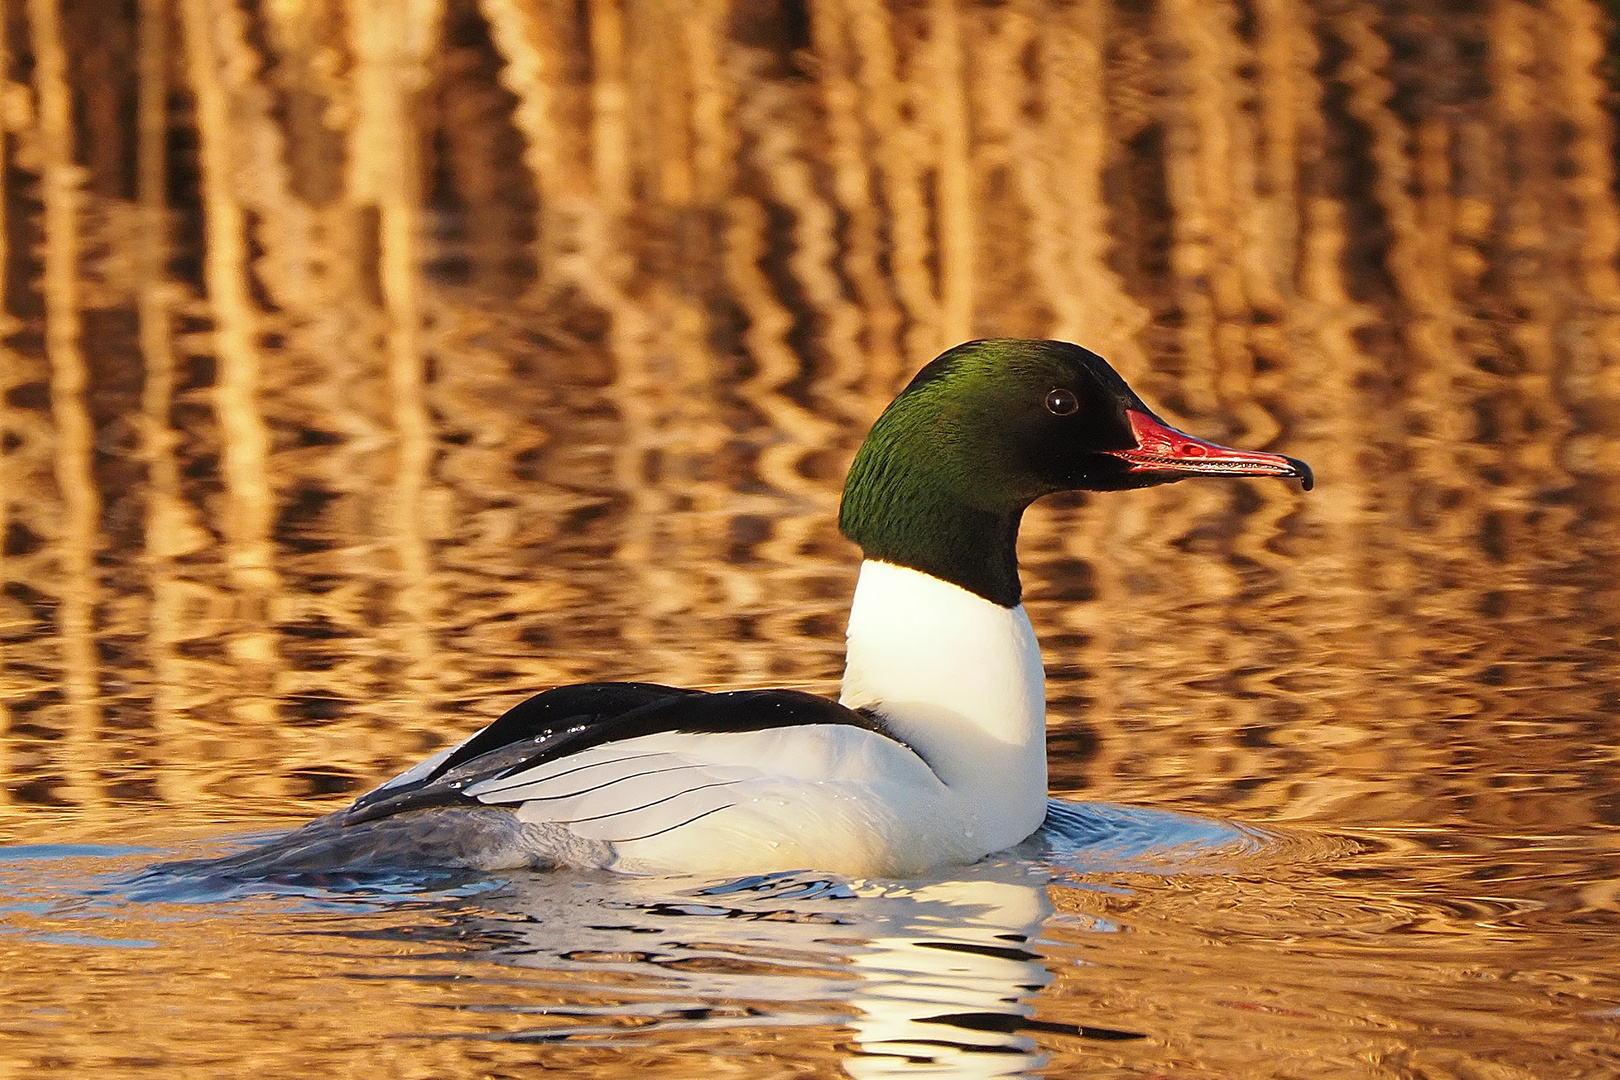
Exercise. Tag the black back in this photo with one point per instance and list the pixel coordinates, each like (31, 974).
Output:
(569, 719)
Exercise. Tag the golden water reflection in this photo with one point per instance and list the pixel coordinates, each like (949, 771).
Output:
(368, 366)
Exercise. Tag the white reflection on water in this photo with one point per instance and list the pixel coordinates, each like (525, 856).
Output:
(925, 973)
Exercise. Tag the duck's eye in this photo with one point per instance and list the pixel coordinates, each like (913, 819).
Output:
(1061, 402)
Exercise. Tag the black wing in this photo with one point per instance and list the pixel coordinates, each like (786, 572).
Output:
(569, 719)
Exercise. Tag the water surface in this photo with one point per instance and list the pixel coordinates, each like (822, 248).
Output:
(366, 369)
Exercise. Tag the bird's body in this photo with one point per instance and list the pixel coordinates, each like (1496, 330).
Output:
(935, 753)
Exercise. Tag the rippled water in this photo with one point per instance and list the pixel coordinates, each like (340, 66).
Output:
(1121, 941)
(365, 368)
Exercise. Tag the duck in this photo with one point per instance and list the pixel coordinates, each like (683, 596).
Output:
(934, 753)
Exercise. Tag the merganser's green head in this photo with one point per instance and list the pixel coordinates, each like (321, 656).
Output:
(987, 428)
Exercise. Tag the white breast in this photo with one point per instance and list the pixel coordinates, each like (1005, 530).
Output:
(960, 679)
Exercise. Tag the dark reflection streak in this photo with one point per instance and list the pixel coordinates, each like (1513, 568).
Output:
(1002, 952)
(74, 433)
(244, 459)
(10, 375)
(946, 1044)
(1010, 1022)
(167, 524)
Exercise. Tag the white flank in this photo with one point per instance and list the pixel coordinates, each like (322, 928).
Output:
(823, 796)
(955, 676)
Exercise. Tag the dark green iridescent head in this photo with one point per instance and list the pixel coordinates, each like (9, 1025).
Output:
(989, 427)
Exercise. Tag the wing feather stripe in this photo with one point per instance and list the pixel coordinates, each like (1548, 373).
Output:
(644, 806)
(482, 792)
(489, 787)
(671, 828)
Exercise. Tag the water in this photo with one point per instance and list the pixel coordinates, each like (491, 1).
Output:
(323, 442)
(1121, 941)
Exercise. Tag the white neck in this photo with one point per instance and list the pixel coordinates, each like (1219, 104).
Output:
(958, 678)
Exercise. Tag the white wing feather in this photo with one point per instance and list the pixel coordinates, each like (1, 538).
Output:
(652, 787)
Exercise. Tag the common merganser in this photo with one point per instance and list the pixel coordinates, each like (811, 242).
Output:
(935, 753)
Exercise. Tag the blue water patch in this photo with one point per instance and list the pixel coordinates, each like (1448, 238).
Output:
(90, 881)
(1096, 837)
(21, 853)
(65, 937)
(308, 891)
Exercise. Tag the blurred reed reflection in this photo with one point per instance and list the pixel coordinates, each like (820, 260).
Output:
(367, 365)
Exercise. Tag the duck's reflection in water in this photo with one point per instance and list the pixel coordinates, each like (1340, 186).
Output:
(951, 983)
(930, 975)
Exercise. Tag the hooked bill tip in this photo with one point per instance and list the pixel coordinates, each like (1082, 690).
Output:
(1306, 480)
